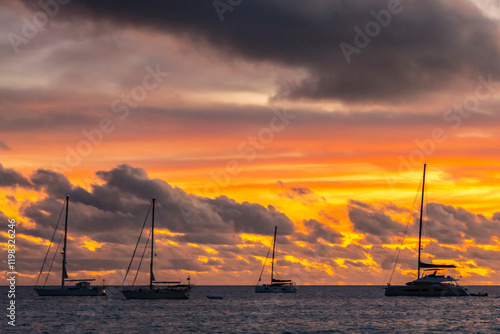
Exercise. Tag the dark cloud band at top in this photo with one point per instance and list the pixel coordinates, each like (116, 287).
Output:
(427, 46)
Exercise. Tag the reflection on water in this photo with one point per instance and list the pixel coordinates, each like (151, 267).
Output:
(313, 309)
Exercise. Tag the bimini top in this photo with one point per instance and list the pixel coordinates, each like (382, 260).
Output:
(433, 278)
(274, 280)
(430, 265)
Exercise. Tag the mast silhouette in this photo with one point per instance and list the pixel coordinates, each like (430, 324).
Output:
(151, 276)
(64, 273)
(420, 227)
(272, 263)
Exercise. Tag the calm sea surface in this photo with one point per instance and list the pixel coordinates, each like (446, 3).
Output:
(314, 309)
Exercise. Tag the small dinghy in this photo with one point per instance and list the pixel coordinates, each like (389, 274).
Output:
(479, 294)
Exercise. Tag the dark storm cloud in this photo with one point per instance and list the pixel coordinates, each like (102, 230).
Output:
(121, 204)
(428, 45)
(10, 178)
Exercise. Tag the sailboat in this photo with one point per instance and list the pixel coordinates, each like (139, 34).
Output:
(433, 282)
(277, 285)
(156, 289)
(81, 287)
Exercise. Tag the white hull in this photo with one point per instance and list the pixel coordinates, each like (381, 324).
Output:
(157, 293)
(70, 291)
(275, 289)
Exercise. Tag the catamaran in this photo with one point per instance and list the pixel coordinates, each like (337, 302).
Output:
(155, 289)
(81, 287)
(433, 282)
(277, 285)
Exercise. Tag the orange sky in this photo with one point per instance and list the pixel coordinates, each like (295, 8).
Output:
(248, 131)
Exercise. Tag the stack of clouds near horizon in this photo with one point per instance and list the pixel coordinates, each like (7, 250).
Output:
(207, 237)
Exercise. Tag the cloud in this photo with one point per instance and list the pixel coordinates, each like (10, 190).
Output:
(207, 238)
(445, 223)
(4, 146)
(373, 221)
(112, 211)
(316, 230)
(55, 184)
(10, 178)
(444, 46)
(3, 217)
(121, 202)
(205, 231)
(450, 225)
(300, 193)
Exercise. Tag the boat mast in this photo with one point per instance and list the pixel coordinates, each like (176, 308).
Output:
(420, 227)
(152, 246)
(272, 263)
(64, 274)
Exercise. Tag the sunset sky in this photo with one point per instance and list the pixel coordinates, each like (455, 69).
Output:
(315, 116)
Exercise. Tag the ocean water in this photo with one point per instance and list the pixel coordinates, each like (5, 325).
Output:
(314, 309)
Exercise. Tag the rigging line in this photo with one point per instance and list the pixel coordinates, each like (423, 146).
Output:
(51, 263)
(142, 257)
(50, 245)
(171, 253)
(265, 261)
(406, 230)
(427, 230)
(137, 244)
(428, 227)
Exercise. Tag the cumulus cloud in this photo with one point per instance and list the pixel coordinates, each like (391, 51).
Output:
(109, 216)
(373, 221)
(444, 223)
(452, 225)
(316, 230)
(121, 203)
(10, 178)
(205, 230)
